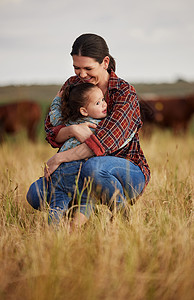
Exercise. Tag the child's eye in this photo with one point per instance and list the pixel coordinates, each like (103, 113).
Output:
(97, 103)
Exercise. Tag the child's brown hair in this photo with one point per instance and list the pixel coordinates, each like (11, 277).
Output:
(74, 97)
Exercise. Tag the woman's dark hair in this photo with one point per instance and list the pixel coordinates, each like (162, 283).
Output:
(74, 97)
(94, 46)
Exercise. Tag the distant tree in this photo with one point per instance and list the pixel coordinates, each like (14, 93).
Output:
(181, 80)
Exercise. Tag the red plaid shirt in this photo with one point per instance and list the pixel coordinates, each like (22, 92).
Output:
(123, 119)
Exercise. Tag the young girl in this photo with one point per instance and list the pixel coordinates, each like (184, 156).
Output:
(80, 103)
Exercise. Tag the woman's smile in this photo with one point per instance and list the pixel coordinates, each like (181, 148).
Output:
(86, 79)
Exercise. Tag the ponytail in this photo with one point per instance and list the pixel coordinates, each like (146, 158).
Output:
(112, 64)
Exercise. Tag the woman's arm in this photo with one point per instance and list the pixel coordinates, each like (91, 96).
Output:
(80, 152)
(52, 132)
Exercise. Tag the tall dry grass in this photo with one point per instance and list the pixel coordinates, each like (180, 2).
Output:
(148, 255)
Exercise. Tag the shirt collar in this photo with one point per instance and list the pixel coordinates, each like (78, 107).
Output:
(113, 81)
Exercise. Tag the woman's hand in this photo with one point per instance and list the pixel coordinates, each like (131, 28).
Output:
(59, 93)
(51, 165)
(82, 131)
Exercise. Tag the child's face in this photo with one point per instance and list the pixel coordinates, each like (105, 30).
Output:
(96, 106)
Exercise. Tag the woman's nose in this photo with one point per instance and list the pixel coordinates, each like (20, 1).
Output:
(82, 74)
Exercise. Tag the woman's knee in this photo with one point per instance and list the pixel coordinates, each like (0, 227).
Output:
(89, 168)
(95, 167)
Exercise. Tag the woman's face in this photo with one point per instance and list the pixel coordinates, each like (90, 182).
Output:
(89, 70)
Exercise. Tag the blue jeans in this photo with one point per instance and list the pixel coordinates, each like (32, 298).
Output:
(114, 173)
(109, 172)
(59, 192)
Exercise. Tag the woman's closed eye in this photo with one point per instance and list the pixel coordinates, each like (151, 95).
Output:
(78, 68)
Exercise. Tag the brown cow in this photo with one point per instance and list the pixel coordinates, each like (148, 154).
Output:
(16, 116)
(168, 112)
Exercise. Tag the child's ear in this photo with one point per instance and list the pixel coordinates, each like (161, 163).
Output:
(83, 111)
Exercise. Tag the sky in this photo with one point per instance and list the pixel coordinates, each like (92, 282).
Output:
(151, 40)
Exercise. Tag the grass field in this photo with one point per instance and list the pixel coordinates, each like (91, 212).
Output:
(149, 255)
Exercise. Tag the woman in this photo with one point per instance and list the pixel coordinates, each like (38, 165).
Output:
(108, 165)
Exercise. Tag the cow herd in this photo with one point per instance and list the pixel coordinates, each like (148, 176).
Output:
(174, 113)
(18, 116)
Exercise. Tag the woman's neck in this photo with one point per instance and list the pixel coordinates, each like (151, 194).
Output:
(103, 85)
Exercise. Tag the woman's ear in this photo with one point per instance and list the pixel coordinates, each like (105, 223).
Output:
(105, 62)
(83, 111)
